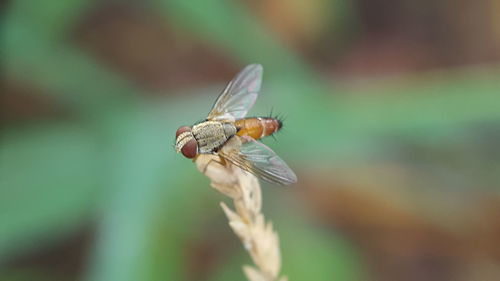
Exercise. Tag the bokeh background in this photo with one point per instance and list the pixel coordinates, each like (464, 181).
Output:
(392, 123)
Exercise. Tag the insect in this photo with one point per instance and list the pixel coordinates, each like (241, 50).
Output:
(227, 120)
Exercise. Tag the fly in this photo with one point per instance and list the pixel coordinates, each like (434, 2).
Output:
(227, 120)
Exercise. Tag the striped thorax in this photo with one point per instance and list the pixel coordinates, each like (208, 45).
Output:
(210, 135)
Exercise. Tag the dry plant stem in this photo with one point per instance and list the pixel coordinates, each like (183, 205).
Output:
(247, 221)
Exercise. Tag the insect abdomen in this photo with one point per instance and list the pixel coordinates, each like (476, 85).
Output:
(257, 127)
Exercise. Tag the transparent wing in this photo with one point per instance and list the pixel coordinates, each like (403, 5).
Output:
(260, 160)
(239, 95)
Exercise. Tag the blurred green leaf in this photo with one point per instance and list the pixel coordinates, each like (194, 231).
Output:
(313, 254)
(51, 18)
(49, 180)
(64, 71)
(147, 194)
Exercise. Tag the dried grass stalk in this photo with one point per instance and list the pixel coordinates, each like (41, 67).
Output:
(247, 220)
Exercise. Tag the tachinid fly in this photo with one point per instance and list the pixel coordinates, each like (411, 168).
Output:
(227, 120)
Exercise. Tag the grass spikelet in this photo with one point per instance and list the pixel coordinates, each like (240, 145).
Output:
(246, 220)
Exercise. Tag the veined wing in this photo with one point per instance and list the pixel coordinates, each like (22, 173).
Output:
(238, 96)
(260, 160)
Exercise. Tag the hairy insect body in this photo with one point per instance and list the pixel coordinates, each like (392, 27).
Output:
(211, 135)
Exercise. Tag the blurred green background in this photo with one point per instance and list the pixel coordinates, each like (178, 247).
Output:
(392, 125)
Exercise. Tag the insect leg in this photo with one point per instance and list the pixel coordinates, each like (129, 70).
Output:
(222, 162)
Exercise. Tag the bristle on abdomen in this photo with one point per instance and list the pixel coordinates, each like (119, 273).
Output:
(258, 127)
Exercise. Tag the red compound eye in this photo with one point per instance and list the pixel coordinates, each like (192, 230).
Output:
(182, 130)
(190, 149)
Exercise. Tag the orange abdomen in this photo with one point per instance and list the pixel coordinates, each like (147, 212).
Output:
(257, 127)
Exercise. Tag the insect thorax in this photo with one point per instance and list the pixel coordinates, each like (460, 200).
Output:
(211, 135)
